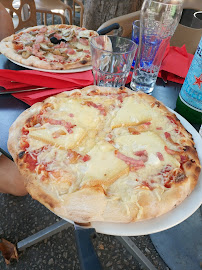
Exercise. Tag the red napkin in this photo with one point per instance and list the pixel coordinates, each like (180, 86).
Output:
(28, 79)
(174, 66)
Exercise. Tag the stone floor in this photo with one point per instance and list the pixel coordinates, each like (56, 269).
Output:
(23, 216)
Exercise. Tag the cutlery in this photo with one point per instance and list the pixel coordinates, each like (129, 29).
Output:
(23, 90)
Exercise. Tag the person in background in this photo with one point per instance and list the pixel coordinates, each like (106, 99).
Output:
(11, 181)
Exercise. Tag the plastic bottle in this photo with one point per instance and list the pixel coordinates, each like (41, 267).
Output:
(189, 102)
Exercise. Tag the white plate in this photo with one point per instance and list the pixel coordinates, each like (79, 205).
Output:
(168, 220)
(81, 69)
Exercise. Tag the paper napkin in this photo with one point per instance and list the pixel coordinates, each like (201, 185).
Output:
(28, 79)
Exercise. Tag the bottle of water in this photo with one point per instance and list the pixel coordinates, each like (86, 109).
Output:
(189, 102)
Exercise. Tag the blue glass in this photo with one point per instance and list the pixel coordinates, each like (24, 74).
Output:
(150, 46)
(135, 36)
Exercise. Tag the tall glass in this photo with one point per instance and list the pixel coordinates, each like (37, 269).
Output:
(158, 21)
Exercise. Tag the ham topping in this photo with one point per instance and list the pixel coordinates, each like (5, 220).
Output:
(84, 41)
(172, 152)
(160, 156)
(172, 119)
(71, 51)
(43, 29)
(58, 36)
(40, 38)
(68, 126)
(61, 45)
(134, 164)
(143, 155)
(35, 48)
(100, 107)
(168, 137)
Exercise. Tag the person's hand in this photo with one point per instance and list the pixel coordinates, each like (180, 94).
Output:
(11, 181)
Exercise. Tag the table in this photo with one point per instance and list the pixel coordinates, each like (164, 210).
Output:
(11, 107)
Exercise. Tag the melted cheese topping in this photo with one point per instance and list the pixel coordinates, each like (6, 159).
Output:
(48, 134)
(74, 47)
(104, 167)
(99, 148)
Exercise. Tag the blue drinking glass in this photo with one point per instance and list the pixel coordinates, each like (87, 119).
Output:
(135, 36)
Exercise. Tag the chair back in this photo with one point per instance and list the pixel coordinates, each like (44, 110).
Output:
(79, 7)
(25, 11)
(6, 23)
(125, 23)
(54, 7)
(185, 33)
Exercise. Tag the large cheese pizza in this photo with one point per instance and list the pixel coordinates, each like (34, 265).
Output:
(52, 47)
(104, 154)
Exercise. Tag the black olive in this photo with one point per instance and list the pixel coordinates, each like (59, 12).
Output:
(83, 61)
(54, 40)
(62, 40)
(21, 154)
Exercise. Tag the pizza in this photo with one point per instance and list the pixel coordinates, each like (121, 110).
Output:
(52, 47)
(104, 154)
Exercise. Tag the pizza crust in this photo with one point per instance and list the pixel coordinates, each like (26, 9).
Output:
(92, 201)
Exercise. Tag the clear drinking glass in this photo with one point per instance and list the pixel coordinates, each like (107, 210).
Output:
(112, 57)
(158, 21)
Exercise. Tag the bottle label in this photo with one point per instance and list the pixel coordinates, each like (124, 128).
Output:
(191, 91)
(188, 105)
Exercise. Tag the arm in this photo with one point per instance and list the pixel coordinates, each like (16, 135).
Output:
(10, 179)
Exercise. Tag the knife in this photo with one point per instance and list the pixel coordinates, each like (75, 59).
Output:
(87, 256)
(23, 90)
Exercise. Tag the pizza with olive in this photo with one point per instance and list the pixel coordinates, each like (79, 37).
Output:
(52, 47)
(104, 154)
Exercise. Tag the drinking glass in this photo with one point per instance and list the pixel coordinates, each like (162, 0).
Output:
(135, 36)
(158, 21)
(112, 57)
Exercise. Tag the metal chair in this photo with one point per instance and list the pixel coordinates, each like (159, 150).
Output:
(125, 22)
